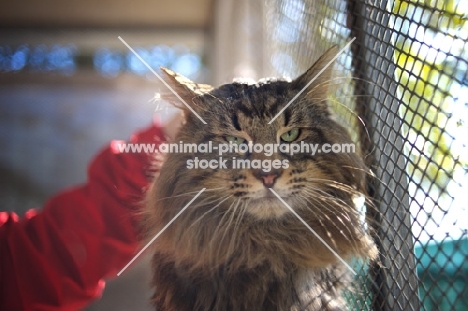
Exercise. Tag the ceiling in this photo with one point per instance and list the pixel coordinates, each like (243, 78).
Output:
(105, 13)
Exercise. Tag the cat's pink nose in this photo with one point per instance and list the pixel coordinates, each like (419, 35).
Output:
(269, 180)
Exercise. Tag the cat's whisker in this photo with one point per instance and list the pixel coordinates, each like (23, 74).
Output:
(340, 186)
(324, 226)
(329, 197)
(350, 209)
(370, 173)
(337, 185)
(320, 217)
(361, 228)
(191, 193)
(357, 117)
(234, 236)
(204, 201)
(210, 210)
(319, 199)
(362, 231)
(328, 180)
(368, 201)
(227, 228)
(213, 244)
(325, 199)
(327, 204)
(337, 214)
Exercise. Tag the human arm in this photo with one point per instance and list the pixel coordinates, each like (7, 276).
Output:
(58, 258)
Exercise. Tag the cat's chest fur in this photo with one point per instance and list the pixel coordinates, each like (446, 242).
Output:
(250, 289)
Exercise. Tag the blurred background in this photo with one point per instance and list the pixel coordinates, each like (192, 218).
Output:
(68, 86)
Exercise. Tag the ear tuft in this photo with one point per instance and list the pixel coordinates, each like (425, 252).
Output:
(178, 81)
(185, 89)
(318, 89)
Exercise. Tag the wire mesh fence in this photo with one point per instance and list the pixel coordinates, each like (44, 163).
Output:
(405, 79)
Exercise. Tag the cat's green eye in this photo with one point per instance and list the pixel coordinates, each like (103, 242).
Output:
(290, 136)
(235, 140)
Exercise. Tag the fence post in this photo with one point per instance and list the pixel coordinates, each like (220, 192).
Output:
(373, 52)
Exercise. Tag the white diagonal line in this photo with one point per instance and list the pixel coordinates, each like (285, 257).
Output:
(313, 231)
(160, 232)
(313, 79)
(162, 80)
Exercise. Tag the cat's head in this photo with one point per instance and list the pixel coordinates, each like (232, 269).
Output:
(319, 186)
(241, 114)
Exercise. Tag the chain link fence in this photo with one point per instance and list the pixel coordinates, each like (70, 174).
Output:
(402, 90)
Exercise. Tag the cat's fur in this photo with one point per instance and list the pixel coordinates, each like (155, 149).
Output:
(237, 247)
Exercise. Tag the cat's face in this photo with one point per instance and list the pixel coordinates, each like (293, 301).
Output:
(238, 115)
(238, 221)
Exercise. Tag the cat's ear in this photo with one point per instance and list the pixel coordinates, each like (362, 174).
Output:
(184, 88)
(318, 89)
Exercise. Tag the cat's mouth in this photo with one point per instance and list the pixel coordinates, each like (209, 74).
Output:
(264, 200)
(265, 193)
(266, 206)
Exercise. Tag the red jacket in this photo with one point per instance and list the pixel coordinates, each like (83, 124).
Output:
(58, 258)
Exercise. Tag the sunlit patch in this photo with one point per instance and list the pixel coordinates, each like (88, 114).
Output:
(361, 208)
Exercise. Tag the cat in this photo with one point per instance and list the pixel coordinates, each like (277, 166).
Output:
(237, 246)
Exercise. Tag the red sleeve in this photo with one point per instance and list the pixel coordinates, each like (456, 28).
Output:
(57, 258)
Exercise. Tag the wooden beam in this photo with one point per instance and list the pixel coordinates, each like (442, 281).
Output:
(105, 13)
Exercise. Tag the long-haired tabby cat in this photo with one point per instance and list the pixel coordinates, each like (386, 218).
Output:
(237, 246)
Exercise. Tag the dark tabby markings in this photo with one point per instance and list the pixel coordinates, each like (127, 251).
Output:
(235, 122)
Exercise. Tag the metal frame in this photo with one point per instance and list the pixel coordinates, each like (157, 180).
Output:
(396, 275)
